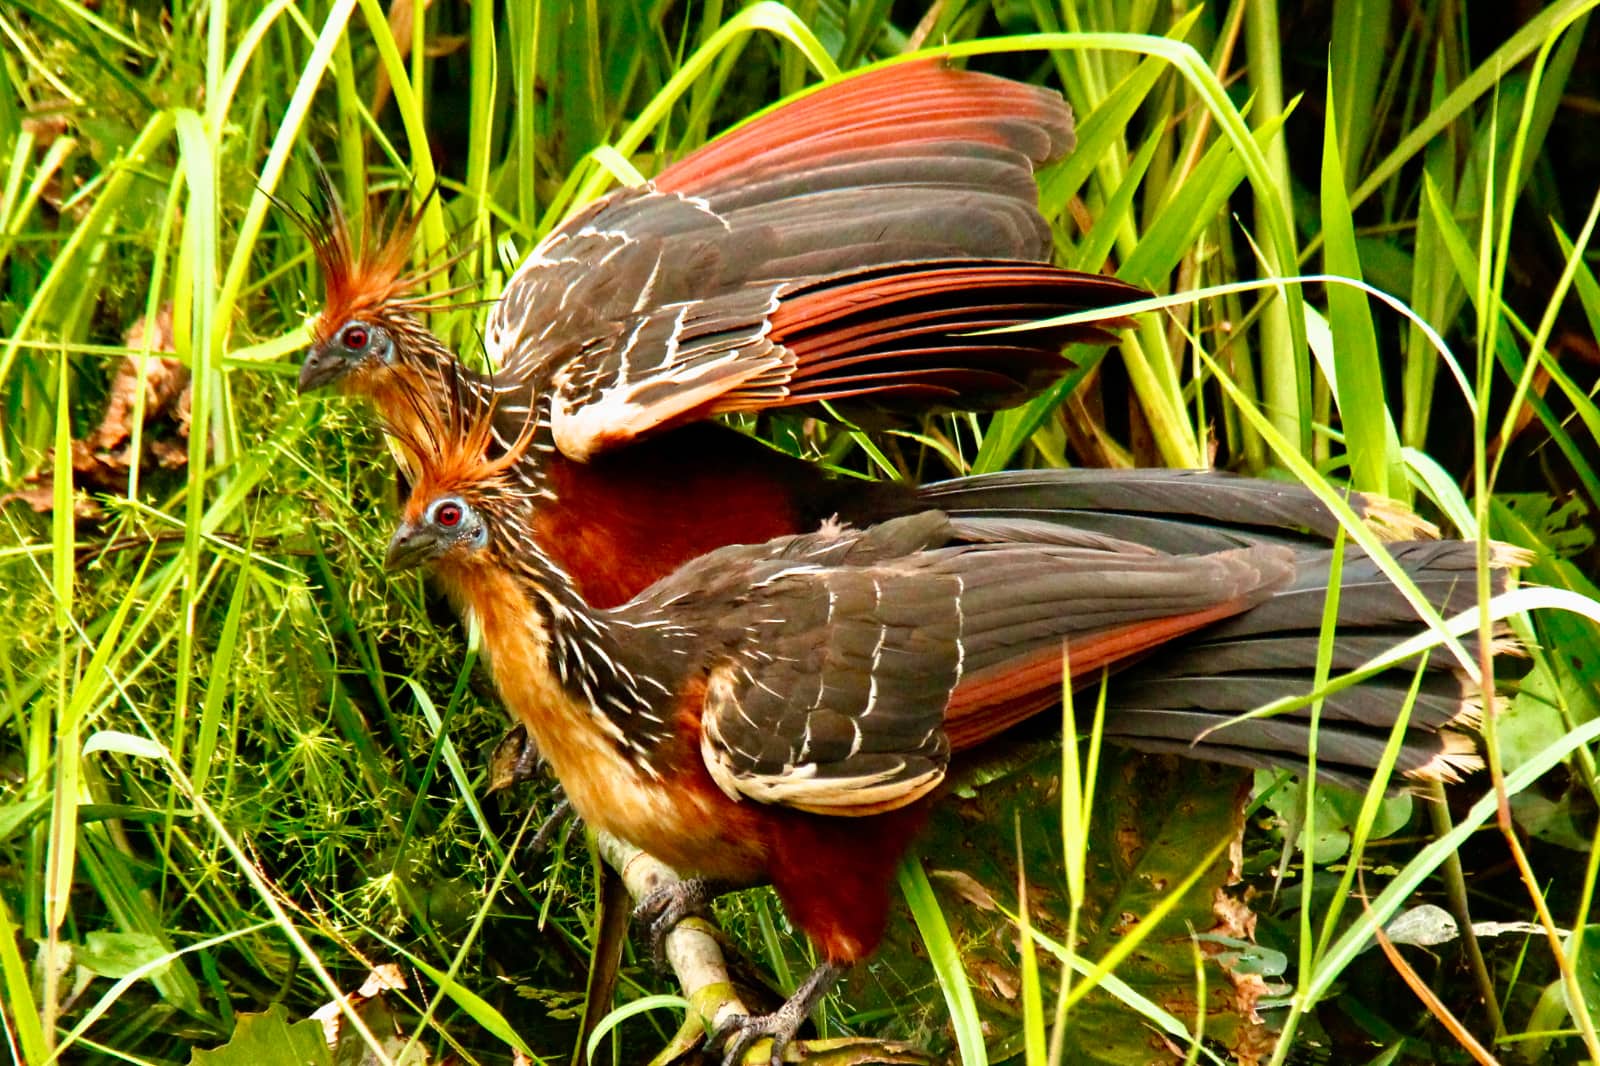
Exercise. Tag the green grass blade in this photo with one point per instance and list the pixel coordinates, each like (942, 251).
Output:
(1524, 42)
(614, 1018)
(1358, 55)
(23, 1015)
(272, 168)
(1370, 439)
(1411, 877)
(945, 958)
(219, 681)
(1036, 1047)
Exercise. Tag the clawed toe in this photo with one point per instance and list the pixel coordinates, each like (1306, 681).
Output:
(663, 909)
(738, 1034)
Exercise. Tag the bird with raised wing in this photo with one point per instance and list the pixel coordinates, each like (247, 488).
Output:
(837, 247)
(840, 248)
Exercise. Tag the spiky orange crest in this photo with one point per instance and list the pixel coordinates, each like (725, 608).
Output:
(367, 279)
(454, 451)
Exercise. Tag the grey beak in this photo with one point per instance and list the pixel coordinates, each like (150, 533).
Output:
(322, 366)
(410, 547)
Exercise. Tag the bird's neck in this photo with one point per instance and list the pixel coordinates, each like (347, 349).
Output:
(612, 722)
(425, 370)
(417, 348)
(621, 673)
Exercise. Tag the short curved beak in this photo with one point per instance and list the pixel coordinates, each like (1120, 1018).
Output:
(322, 366)
(410, 547)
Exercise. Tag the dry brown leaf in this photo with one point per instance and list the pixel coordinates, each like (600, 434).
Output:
(102, 459)
(400, 17)
(46, 126)
(42, 497)
(1234, 917)
(1254, 1041)
(967, 887)
(515, 760)
(1000, 981)
(381, 979)
(166, 383)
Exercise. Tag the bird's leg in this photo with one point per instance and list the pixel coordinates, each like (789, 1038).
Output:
(670, 904)
(552, 822)
(742, 1030)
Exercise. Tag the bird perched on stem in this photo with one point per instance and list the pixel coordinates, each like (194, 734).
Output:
(785, 711)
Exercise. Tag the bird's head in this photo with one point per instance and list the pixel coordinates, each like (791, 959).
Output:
(439, 527)
(466, 504)
(370, 316)
(346, 351)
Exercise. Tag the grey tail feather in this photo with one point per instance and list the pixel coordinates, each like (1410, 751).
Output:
(1193, 697)
(1442, 697)
(1177, 511)
(1346, 759)
(1443, 570)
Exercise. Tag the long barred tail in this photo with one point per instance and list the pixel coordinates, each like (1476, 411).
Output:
(1178, 511)
(1188, 696)
(1189, 699)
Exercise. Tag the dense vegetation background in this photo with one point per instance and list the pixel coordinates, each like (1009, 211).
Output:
(239, 765)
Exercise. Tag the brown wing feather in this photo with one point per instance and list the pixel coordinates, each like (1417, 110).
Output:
(895, 337)
(916, 162)
(846, 687)
(990, 702)
(907, 103)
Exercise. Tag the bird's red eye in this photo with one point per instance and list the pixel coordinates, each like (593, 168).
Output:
(448, 515)
(355, 337)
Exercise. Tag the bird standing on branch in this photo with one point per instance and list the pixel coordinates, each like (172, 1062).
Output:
(785, 711)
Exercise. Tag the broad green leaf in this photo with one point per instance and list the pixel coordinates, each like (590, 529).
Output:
(113, 954)
(1154, 820)
(269, 1039)
(1584, 949)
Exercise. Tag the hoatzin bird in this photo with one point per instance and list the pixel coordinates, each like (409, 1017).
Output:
(785, 711)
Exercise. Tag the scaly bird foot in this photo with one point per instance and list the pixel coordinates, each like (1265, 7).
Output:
(552, 822)
(740, 1032)
(663, 909)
